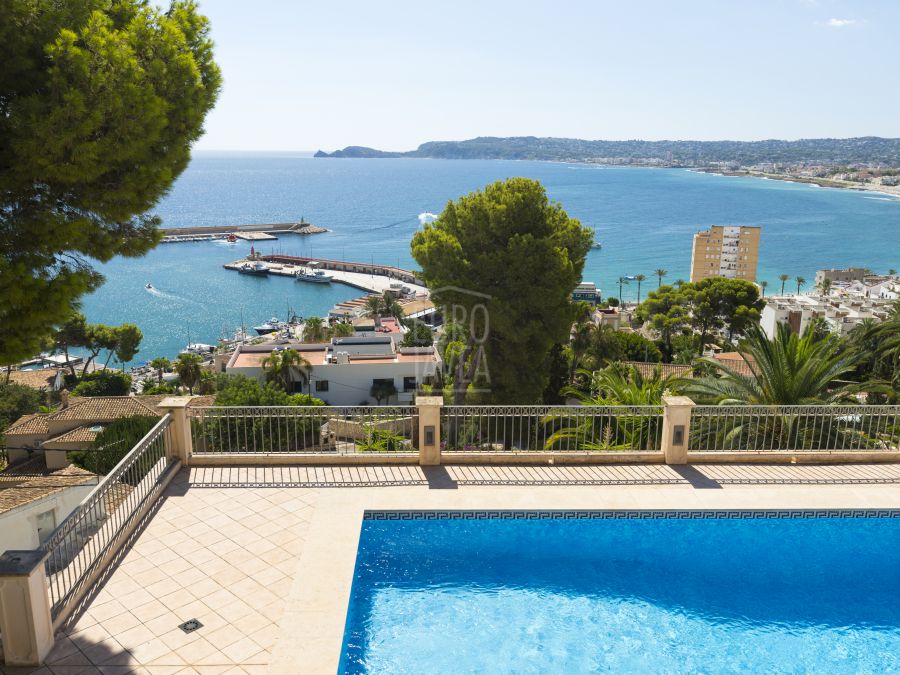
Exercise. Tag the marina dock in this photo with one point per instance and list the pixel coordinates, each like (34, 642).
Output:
(259, 232)
(369, 277)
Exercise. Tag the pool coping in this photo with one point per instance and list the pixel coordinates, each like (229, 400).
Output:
(312, 627)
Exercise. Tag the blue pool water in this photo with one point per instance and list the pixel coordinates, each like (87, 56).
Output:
(553, 595)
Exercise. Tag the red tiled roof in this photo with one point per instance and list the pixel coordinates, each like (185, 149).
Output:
(101, 408)
(39, 487)
(29, 425)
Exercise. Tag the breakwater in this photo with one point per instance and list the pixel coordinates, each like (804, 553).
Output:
(258, 232)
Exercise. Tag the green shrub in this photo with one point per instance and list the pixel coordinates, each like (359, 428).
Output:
(381, 440)
(104, 383)
(112, 444)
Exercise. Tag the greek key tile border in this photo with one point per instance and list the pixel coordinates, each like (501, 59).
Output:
(633, 515)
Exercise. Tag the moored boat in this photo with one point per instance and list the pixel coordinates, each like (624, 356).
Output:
(256, 269)
(270, 326)
(313, 274)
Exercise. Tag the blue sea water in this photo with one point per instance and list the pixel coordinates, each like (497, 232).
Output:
(812, 595)
(644, 218)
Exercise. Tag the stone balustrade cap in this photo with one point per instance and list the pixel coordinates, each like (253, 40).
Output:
(678, 401)
(430, 400)
(21, 563)
(175, 402)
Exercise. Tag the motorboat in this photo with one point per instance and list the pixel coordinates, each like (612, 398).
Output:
(231, 239)
(256, 269)
(198, 348)
(149, 287)
(597, 245)
(271, 326)
(316, 277)
(313, 274)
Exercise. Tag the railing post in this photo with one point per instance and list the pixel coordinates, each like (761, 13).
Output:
(179, 440)
(429, 408)
(676, 428)
(25, 619)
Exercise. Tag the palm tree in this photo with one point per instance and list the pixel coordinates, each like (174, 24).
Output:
(825, 287)
(639, 278)
(800, 282)
(187, 367)
(783, 278)
(660, 273)
(623, 429)
(314, 329)
(279, 367)
(341, 329)
(679, 283)
(763, 285)
(374, 305)
(160, 364)
(622, 282)
(390, 306)
(581, 340)
(788, 370)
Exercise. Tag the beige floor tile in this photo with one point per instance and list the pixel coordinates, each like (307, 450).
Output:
(224, 636)
(150, 610)
(241, 650)
(134, 636)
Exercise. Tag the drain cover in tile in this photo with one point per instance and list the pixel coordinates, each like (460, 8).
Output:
(190, 625)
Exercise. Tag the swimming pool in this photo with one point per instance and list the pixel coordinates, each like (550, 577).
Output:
(571, 592)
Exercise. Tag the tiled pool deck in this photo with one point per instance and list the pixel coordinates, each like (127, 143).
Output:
(262, 557)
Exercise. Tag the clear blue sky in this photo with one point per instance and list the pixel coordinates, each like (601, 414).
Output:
(304, 75)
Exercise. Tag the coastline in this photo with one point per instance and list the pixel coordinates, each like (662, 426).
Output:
(889, 190)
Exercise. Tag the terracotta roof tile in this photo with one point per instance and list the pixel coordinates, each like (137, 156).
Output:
(43, 486)
(36, 379)
(646, 369)
(101, 408)
(83, 434)
(29, 425)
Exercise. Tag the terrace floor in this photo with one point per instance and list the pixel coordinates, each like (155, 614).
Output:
(233, 548)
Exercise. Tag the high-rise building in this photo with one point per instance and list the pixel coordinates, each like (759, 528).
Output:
(726, 251)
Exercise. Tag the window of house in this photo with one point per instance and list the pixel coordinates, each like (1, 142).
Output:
(46, 523)
(382, 381)
(321, 385)
(409, 383)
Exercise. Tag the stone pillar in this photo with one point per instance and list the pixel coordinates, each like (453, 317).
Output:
(25, 620)
(429, 429)
(676, 428)
(179, 443)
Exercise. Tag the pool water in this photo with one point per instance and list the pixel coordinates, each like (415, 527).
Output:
(501, 593)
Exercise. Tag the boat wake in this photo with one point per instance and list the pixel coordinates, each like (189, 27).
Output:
(170, 296)
(884, 199)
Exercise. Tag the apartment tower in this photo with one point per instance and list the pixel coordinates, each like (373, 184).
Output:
(725, 251)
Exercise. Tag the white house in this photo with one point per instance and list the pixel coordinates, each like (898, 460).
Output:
(33, 504)
(839, 314)
(343, 371)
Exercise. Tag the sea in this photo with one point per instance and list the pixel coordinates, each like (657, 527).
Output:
(643, 217)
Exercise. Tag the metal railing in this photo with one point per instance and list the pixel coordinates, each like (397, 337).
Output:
(77, 548)
(794, 428)
(303, 429)
(473, 428)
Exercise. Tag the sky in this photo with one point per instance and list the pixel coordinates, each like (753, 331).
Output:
(304, 75)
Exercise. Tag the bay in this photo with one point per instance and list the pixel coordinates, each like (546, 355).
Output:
(645, 219)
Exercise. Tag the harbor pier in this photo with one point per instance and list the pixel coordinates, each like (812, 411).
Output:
(370, 277)
(258, 232)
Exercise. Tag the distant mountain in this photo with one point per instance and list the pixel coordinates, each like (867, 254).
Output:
(868, 149)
